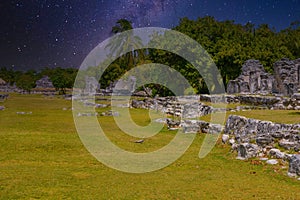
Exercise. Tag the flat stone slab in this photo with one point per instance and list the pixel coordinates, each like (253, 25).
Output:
(272, 162)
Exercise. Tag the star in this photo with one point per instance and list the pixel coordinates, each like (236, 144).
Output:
(48, 28)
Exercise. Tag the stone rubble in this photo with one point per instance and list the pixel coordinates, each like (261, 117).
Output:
(272, 162)
(294, 165)
(257, 138)
(174, 107)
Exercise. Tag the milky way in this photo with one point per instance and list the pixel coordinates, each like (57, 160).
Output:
(50, 33)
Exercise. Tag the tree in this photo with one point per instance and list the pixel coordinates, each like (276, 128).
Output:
(128, 42)
(26, 82)
(231, 44)
(63, 79)
(8, 75)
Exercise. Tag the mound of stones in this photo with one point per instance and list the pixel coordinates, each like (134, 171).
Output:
(175, 107)
(256, 138)
(192, 126)
(198, 126)
(4, 96)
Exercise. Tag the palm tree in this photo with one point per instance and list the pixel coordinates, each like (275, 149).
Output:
(122, 25)
(128, 41)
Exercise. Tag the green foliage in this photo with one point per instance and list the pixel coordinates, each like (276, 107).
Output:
(230, 44)
(26, 82)
(9, 75)
(63, 78)
(189, 91)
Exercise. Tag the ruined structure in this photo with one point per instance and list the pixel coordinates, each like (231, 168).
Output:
(287, 76)
(2, 82)
(123, 86)
(91, 85)
(255, 80)
(44, 82)
(257, 138)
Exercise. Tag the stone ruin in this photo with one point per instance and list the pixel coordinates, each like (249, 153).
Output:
(287, 76)
(44, 82)
(266, 140)
(255, 80)
(120, 87)
(262, 139)
(91, 86)
(2, 82)
(125, 87)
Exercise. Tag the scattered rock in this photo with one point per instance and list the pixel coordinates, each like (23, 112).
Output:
(292, 175)
(231, 141)
(139, 141)
(161, 120)
(87, 114)
(276, 153)
(272, 162)
(225, 138)
(101, 105)
(263, 159)
(247, 150)
(24, 113)
(294, 164)
(110, 113)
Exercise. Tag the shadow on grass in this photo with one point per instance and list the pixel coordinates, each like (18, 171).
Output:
(294, 113)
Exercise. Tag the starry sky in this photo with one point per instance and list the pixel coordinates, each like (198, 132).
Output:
(36, 34)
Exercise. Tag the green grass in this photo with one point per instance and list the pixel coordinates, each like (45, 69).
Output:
(279, 116)
(42, 157)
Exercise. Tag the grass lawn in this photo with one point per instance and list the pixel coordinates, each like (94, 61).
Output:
(279, 116)
(42, 157)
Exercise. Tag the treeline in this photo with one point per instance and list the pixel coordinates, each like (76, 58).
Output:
(231, 44)
(61, 78)
(228, 43)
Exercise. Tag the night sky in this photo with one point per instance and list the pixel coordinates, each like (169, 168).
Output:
(60, 33)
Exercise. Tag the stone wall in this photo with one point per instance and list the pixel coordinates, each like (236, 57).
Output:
(174, 106)
(269, 102)
(198, 126)
(257, 138)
